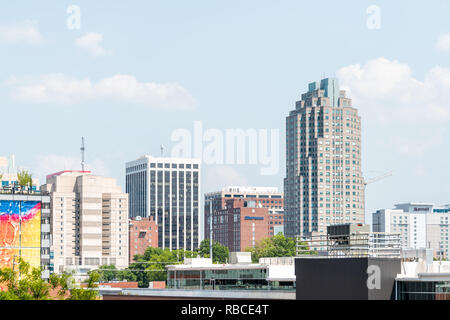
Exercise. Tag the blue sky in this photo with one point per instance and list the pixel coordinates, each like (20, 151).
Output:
(229, 64)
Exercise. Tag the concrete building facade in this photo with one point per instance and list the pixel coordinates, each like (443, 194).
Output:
(324, 183)
(168, 190)
(89, 221)
(420, 225)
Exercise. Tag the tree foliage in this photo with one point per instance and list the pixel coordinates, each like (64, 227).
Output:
(24, 178)
(276, 246)
(220, 252)
(23, 284)
(26, 283)
(150, 266)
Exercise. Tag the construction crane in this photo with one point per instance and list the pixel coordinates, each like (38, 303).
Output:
(375, 179)
(372, 180)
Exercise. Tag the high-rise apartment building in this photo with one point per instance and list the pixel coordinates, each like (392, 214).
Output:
(420, 225)
(264, 197)
(324, 183)
(89, 221)
(167, 189)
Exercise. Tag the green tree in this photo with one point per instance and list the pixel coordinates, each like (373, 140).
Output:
(26, 283)
(151, 266)
(90, 293)
(66, 284)
(106, 273)
(23, 284)
(126, 275)
(276, 246)
(63, 282)
(220, 252)
(24, 178)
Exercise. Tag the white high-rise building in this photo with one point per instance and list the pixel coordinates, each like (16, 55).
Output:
(168, 190)
(420, 225)
(89, 221)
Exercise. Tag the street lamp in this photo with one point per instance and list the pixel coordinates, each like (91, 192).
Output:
(210, 230)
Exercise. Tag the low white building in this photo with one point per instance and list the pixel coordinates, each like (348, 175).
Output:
(420, 225)
(201, 273)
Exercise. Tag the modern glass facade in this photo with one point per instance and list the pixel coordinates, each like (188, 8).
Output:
(167, 189)
(423, 290)
(225, 279)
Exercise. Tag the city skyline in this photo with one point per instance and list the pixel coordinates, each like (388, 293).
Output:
(229, 69)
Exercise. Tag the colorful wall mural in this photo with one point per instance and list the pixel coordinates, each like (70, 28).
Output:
(20, 232)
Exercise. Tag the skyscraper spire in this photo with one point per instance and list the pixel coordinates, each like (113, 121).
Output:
(82, 154)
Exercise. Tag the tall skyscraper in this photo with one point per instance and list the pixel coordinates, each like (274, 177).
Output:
(324, 183)
(167, 189)
(89, 221)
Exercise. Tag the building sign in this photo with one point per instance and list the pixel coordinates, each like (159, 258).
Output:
(441, 210)
(253, 218)
(421, 209)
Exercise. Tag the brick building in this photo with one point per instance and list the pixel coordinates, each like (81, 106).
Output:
(240, 224)
(263, 197)
(143, 234)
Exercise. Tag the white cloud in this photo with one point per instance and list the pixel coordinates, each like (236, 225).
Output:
(23, 33)
(386, 90)
(417, 143)
(220, 176)
(91, 43)
(48, 164)
(443, 43)
(61, 89)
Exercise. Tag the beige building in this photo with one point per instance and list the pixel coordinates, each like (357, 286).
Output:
(324, 183)
(89, 221)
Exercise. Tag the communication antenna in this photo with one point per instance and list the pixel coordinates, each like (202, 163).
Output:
(162, 150)
(82, 154)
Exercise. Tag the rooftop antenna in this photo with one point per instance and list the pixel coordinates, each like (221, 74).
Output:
(162, 150)
(82, 154)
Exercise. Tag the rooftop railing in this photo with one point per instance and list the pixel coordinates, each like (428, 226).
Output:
(373, 244)
(21, 191)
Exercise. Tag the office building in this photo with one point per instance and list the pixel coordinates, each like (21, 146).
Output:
(89, 221)
(270, 274)
(167, 189)
(420, 225)
(262, 197)
(25, 229)
(240, 225)
(324, 184)
(143, 234)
